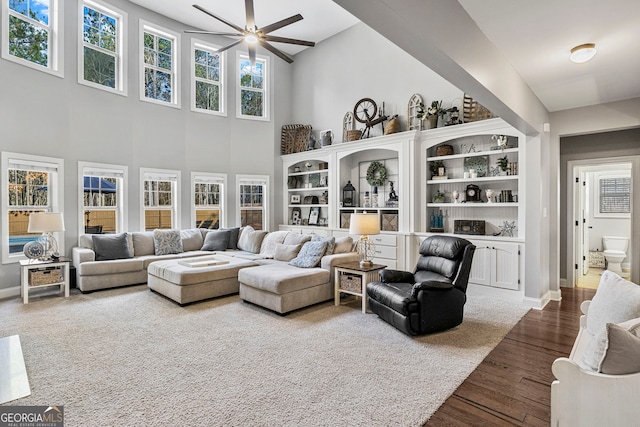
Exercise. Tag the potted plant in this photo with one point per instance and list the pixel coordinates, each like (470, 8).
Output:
(435, 166)
(503, 162)
(438, 197)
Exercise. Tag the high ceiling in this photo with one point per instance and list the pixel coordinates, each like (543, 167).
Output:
(534, 36)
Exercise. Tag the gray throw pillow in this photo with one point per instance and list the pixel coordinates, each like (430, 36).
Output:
(296, 239)
(111, 246)
(343, 245)
(251, 240)
(331, 243)
(622, 355)
(166, 242)
(192, 239)
(286, 252)
(310, 255)
(234, 233)
(216, 240)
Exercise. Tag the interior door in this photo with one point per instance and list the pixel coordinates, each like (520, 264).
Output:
(584, 222)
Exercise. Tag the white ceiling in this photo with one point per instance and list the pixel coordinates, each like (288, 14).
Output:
(535, 37)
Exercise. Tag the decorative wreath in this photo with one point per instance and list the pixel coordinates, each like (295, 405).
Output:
(376, 174)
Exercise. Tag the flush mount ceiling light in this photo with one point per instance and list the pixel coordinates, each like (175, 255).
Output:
(583, 53)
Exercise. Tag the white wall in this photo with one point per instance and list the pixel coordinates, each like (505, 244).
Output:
(45, 115)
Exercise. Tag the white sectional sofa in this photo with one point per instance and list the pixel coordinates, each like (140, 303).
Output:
(599, 383)
(273, 282)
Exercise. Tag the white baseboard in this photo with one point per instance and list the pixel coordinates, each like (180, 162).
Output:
(564, 283)
(488, 291)
(555, 295)
(537, 303)
(10, 292)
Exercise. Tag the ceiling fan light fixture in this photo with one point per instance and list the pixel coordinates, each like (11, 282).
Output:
(251, 38)
(583, 53)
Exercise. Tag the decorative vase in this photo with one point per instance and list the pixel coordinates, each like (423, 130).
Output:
(433, 122)
(440, 121)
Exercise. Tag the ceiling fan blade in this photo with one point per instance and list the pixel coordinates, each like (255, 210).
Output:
(229, 46)
(287, 40)
(276, 25)
(251, 21)
(275, 51)
(214, 33)
(252, 53)
(235, 27)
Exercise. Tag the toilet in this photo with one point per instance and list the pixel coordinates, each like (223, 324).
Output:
(615, 251)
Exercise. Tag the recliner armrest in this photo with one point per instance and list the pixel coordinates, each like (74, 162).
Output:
(430, 286)
(396, 276)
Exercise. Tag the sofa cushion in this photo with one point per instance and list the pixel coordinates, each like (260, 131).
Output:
(615, 301)
(86, 241)
(343, 245)
(599, 344)
(622, 355)
(167, 242)
(250, 239)
(281, 278)
(233, 237)
(192, 239)
(216, 240)
(286, 252)
(143, 243)
(97, 268)
(296, 239)
(111, 246)
(268, 246)
(330, 241)
(310, 255)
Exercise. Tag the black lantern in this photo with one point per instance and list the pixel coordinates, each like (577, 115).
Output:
(349, 195)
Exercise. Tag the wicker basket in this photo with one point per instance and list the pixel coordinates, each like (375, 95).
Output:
(473, 111)
(353, 135)
(45, 277)
(351, 283)
(294, 138)
(444, 150)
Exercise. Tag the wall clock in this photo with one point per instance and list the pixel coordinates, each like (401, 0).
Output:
(472, 193)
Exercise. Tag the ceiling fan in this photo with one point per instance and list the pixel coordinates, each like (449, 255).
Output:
(253, 35)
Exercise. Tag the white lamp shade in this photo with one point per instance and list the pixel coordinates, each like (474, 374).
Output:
(45, 222)
(364, 224)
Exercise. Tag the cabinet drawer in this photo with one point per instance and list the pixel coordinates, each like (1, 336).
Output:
(387, 252)
(384, 239)
(390, 263)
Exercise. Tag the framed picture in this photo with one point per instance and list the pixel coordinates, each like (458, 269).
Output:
(295, 199)
(314, 215)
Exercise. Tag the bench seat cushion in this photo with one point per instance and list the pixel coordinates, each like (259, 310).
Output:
(282, 278)
(97, 268)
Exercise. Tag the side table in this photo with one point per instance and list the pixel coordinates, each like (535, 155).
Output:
(41, 274)
(352, 279)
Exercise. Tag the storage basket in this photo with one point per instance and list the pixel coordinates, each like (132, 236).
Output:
(351, 283)
(353, 135)
(45, 277)
(444, 150)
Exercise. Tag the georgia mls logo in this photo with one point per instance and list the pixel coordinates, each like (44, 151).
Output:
(32, 416)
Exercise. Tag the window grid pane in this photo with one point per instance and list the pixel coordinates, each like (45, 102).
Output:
(159, 67)
(615, 195)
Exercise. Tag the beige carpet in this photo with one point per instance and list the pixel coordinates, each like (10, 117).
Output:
(131, 357)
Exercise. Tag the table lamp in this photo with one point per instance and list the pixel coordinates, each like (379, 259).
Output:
(47, 223)
(365, 225)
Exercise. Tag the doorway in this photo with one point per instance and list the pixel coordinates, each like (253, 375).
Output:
(602, 206)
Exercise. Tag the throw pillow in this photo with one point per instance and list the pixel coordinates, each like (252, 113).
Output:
(331, 243)
(286, 252)
(251, 240)
(167, 242)
(615, 301)
(623, 352)
(143, 243)
(86, 241)
(296, 239)
(593, 354)
(191, 239)
(216, 240)
(343, 245)
(310, 254)
(111, 246)
(233, 237)
(268, 246)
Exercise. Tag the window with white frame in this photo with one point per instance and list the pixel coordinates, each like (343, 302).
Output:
(159, 65)
(252, 201)
(101, 50)
(207, 199)
(102, 196)
(160, 199)
(32, 34)
(252, 89)
(614, 195)
(32, 184)
(207, 79)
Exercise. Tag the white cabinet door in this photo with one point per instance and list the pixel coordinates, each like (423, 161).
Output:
(506, 265)
(481, 265)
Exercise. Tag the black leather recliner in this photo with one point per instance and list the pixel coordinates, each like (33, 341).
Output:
(430, 299)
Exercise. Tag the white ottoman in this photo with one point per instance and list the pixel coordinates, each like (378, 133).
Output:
(196, 279)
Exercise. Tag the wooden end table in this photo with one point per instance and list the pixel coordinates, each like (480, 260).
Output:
(27, 266)
(353, 269)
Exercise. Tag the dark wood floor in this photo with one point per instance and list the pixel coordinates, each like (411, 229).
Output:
(512, 386)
